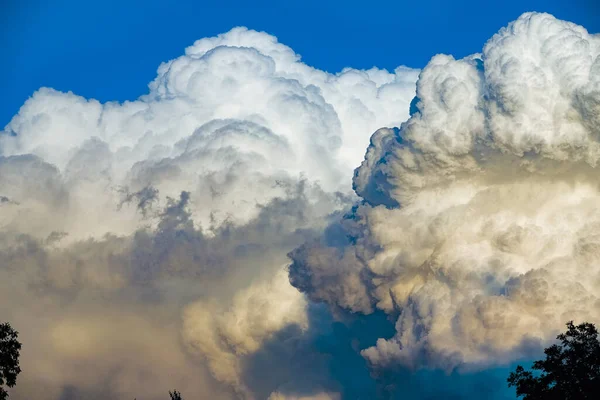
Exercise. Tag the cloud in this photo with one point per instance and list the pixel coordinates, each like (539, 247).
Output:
(143, 244)
(256, 314)
(478, 230)
(320, 396)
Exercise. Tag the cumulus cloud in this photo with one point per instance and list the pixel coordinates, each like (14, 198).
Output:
(255, 314)
(143, 244)
(478, 230)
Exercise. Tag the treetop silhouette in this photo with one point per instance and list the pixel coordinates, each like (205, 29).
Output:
(571, 369)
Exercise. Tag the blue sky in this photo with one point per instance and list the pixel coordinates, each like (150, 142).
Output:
(110, 49)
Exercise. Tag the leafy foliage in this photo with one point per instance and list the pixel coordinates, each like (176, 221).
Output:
(175, 395)
(571, 369)
(9, 358)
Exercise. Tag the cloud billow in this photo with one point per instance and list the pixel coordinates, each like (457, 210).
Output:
(478, 233)
(144, 244)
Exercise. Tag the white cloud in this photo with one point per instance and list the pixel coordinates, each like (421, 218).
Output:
(490, 239)
(130, 227)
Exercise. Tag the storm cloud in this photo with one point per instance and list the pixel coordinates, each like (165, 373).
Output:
(479, 223)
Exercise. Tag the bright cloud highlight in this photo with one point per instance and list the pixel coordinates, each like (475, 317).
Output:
(151, 236)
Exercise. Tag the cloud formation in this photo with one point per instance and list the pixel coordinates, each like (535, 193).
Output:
(478, 230)
(143, 244)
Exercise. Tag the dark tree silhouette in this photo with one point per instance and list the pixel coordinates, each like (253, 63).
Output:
(9, 358)
(175, 395)
(571, 369)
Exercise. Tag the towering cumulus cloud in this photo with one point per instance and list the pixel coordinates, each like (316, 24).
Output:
(143, 245)
(479, 229)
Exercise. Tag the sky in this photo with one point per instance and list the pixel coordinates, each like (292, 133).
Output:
(311, 201)
(109, 50)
